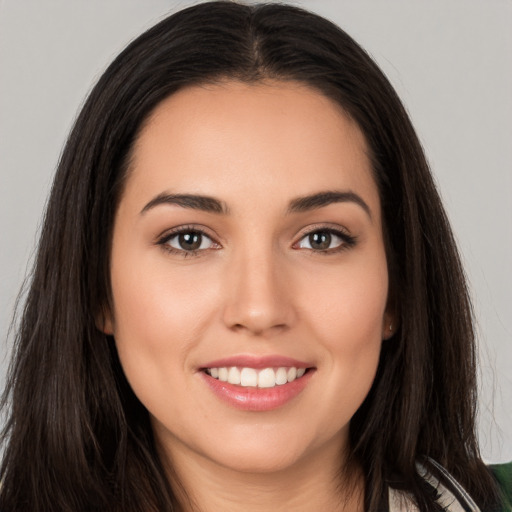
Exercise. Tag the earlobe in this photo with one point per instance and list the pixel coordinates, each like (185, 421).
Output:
(104, 322)
(389, 326)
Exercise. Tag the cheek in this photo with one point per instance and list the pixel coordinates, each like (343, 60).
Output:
(159, 317)
(347, 307)
(159, 302)
(347, 319)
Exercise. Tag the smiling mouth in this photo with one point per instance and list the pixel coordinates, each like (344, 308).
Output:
(251, 377)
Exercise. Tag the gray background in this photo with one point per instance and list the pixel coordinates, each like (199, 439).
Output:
(450, 61)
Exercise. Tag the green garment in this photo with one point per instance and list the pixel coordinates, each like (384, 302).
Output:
(503, 474)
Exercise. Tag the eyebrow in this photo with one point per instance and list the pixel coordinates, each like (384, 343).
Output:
(192, 201)
(298, 205)
(322, 199)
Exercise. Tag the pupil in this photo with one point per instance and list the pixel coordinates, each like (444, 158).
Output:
(190, 241)
(320, 240)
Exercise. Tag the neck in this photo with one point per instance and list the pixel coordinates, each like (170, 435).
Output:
(318, 483)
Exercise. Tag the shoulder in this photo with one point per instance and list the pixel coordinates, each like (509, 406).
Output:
(503, 475)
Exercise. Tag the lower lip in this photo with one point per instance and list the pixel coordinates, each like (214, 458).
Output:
(257, 399)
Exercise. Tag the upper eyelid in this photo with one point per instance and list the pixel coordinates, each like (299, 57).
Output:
(348, 239)
(335, 228)
(169, 233)
(164, 239)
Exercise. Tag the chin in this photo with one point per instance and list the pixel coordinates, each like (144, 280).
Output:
(271, 448)
(258, 461)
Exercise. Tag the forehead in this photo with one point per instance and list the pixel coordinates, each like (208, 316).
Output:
(234, 139)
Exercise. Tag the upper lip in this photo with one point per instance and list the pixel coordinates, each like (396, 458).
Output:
(256, 362)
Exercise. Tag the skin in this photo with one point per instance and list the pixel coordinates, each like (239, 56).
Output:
(255, 288)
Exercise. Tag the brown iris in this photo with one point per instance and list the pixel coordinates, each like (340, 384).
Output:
(320, 240)
(190, 241)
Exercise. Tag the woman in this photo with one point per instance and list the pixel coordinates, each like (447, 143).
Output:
(246, 295)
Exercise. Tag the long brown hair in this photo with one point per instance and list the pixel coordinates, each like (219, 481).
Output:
(76, 438)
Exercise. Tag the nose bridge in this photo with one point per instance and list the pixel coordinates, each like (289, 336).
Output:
(257, 298)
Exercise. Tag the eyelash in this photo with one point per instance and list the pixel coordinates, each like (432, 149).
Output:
(165, 239)
(347, 241)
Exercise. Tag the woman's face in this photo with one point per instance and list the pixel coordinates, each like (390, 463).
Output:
(248, 246)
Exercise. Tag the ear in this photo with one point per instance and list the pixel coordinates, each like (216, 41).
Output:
(104, 321)
(391, 317)
(390, 323)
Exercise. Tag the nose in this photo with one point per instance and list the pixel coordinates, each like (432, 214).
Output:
(258, 295)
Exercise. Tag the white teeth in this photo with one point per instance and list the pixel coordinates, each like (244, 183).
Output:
(223, 374)
(267, 378)
(250, 377)
(234, 375)
(292, 374)
(281, 376)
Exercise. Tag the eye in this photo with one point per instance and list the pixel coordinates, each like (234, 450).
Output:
(187, 241)
(325, 240)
